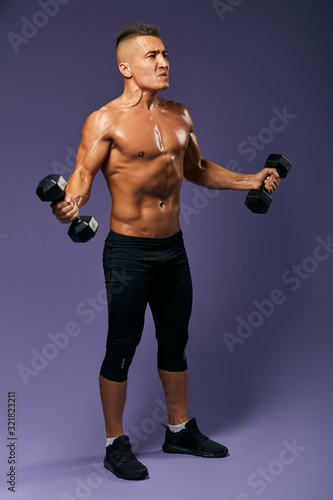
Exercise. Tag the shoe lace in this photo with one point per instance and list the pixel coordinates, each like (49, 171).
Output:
(123, 453)
(198, 435)
(128, 454)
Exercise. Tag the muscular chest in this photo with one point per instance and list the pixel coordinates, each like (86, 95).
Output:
(149, 136)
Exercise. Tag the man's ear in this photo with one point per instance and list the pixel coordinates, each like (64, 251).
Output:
(125, 70)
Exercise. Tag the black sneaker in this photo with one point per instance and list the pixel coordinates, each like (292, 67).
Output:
(120, 460)
(191, 441)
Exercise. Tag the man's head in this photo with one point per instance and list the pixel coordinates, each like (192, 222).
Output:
(142, 57)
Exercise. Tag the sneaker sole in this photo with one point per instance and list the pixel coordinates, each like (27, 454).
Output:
(187, 451)
(137, 477)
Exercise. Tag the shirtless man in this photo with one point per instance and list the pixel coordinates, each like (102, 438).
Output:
(145, 146)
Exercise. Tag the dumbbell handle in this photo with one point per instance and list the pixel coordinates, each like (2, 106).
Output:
(279, 170)
(62, 198)
(263, 187)
(83, 220)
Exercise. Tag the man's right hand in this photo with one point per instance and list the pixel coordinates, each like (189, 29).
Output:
(67, 210)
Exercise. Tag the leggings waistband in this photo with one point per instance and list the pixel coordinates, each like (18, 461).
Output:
(123, 239)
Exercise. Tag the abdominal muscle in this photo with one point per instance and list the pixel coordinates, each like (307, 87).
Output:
(145, 198)
(148, 220)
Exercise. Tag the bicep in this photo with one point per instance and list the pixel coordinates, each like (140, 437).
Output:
(192, 159)
(94, 146)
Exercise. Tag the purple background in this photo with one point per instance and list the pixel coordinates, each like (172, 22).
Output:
(275, 387)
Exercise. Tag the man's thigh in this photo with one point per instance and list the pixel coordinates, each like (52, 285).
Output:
(171, 303)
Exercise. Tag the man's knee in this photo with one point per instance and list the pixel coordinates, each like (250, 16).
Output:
(171, 354)
(116, 363)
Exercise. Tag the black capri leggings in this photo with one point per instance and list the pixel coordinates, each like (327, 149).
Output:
(141, 271)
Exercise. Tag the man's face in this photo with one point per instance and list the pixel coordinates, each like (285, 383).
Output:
(147, 62)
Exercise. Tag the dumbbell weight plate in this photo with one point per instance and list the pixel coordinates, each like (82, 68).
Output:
(83, 229)
(258, 201)
(51, 188)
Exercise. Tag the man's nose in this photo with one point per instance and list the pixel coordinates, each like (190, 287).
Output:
(162, 61)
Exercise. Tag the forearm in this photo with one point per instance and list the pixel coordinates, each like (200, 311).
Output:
(213, 176)
(79, 186)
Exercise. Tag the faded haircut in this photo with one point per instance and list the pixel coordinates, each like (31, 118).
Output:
(137, 29)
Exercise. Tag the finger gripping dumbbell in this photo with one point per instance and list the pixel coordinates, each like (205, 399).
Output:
(258, 200)
(52, 189)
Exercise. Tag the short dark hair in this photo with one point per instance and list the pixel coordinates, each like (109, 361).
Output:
(137, 29)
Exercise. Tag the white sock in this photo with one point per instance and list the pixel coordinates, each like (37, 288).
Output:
(110, 441)
(177, 428)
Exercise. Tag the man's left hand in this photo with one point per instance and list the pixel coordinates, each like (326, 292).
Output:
(269, 177)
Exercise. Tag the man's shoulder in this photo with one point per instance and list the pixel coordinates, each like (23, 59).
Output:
(105, 112)
(177, 108)
(103, 118)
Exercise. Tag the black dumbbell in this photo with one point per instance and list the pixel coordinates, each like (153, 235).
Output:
(52, 188)
(258, 200)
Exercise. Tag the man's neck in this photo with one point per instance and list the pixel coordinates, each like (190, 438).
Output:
(141, 98)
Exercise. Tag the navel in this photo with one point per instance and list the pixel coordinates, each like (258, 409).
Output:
(141, 153)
